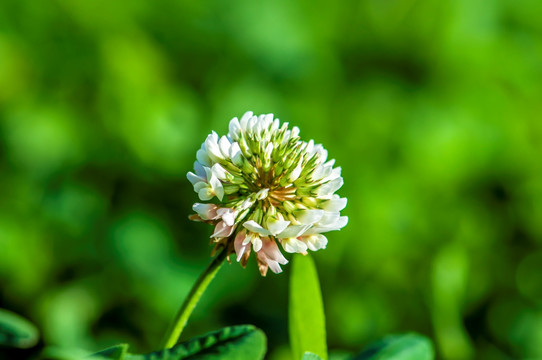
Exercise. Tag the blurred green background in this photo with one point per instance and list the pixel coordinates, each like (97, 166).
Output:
(432, 108)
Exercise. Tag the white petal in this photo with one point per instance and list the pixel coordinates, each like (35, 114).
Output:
(330, 218)
(224, 144)
(257, 244)
(211, 145)
(193, 178)
(235, 128)
(206, 194)
(292, 245)
(244, 120)
(200, 185)
(217, 187)
(252, 123)
(330, 187)
(316, 242)
(203, 157)
(219, 172)
(292, 231)
(337, 225)
(343, 220)
(227, 214)
(308, 217)
(235, 154)
(255, 227)
(277, 226)
(335, 204)
(200, 171)
(295, 174)
(335, 173)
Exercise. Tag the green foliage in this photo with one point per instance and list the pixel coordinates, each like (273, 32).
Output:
(399, 347)
(432, 109)
(242, 342)
(307, 324)
(16, 331)
(311, 356)
(116, 352)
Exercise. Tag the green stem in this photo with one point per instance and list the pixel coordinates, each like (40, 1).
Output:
(174, 332)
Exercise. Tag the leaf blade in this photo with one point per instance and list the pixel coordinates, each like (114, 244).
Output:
(399, 347)
(306, 311)
(243, 342)
(16, 331)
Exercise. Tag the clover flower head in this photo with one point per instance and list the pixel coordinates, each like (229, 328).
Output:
(265, 187)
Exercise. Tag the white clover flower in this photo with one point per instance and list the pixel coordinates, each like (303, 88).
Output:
(270, 187)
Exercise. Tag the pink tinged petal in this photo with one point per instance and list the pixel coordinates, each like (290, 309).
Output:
(272, 251)
(206, 211)
(239, 245)
(255, 227)
(271, 256)
(292, 231)
(308, 217)
(334, 204)
(203, 157)
(277, 226)
(222, 230)
(273, 265)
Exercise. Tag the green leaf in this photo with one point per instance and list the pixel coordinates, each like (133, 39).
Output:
(16, 331)
(244, 342)
(311, 356)
(306, 311)
(117, 352)
(399, 347)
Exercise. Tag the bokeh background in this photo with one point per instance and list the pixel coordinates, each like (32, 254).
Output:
(432, 108)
